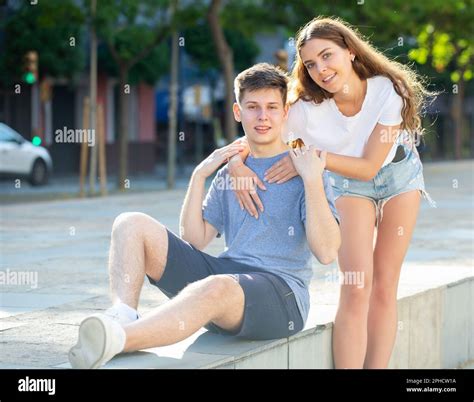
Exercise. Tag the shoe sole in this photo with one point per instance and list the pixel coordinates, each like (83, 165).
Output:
(90, 347)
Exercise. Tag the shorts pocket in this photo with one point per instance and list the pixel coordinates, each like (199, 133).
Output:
(401, 155)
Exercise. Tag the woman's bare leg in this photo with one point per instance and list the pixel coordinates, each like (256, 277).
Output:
(393, 239)
(355, 260)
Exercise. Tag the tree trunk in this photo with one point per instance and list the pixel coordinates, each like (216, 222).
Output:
(173, 107)
(226, 59)
(93, 100)
(123, 128)
(457, 115)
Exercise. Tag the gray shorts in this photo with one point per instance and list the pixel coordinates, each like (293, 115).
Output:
(270, 310)
(393, 179)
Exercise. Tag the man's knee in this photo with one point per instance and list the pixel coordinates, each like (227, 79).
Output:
(129, 223)
(220, 289)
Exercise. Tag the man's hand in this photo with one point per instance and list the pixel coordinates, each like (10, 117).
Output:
(209, 165)
(308, 162)
(281, 171)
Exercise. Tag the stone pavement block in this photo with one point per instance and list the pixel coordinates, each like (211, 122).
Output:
(12, 366)
(39, 333)
(228, 366)
(210, 343)
(40, 301)
(275, 357)
(12, 304)
(471, 322)
(400, 355)
(21, 354)
(6, 312)
(8, 325)
(148, 359)
(311, 349)
(455, 336)
(425, 329)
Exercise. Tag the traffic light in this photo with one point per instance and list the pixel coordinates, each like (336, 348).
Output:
(30, 75)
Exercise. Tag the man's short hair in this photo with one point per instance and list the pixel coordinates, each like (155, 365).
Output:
(261, 76)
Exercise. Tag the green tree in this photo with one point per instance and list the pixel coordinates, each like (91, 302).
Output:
(446, 44)
(226, 39)
(200, 47)
(135, 34)
(53, 28)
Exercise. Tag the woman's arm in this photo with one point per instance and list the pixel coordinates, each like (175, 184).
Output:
(246, 196)
(375, 152)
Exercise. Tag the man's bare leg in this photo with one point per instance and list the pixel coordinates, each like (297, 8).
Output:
(218, 298)
(139, 245)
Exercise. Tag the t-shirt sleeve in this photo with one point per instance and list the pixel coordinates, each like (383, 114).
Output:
(392, 109)
(212, 205)
(329, 197)
(295, 126)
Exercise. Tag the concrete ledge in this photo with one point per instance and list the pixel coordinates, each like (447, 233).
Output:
(435, 330)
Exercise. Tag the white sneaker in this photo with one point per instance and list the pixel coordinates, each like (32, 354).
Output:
(100, 339)
(118, 315)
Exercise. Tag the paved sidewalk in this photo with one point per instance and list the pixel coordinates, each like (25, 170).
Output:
(61, 248)
(64, 187)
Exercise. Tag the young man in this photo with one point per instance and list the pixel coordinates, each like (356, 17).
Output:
(258, 287)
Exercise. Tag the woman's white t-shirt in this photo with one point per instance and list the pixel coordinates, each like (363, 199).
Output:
(325, 127)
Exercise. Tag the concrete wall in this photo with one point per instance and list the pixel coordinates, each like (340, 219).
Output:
(435, 330)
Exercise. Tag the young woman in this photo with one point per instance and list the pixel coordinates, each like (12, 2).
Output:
(363, 109)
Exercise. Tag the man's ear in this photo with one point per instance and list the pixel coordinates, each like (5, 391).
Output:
(236, 110)
(286, 108)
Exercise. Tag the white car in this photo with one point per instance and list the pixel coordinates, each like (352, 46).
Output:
(20, 158)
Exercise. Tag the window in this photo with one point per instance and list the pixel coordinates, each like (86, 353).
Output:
(8, 135)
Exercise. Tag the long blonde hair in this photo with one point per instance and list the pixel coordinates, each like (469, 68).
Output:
(368, 63)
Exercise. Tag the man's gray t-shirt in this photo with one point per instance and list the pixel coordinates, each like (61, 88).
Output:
(276, 242)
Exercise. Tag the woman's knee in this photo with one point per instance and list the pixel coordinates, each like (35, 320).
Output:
(355, 294)
(384, 295)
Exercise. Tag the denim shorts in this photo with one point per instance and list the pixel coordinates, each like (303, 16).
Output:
(392, 179)
(270, 309)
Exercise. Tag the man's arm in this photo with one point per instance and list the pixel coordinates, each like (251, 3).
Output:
(192, 227)
(322, 230)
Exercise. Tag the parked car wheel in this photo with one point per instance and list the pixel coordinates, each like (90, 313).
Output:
(39, 173)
